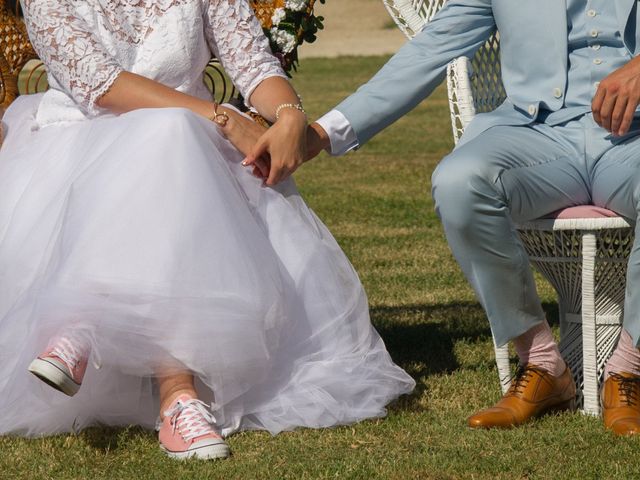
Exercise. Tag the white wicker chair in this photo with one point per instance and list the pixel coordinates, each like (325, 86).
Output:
(585, 259)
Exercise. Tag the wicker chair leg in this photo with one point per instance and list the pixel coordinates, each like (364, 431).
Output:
(589, 347)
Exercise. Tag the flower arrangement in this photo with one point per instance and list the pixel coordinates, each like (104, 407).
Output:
(287, 24)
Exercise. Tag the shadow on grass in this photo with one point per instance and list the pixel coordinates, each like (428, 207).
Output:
(421, 338)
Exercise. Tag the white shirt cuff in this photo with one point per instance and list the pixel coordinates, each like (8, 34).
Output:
(341, 135)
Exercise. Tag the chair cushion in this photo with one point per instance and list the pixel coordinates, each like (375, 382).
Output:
(582, 211)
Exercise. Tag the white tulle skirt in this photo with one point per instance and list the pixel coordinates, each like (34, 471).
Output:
(146, 234)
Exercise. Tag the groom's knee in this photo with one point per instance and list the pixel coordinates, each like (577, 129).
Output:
(460, 184)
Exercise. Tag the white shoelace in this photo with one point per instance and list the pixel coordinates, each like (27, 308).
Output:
(73, 348)
(192, 419)
(71, 352)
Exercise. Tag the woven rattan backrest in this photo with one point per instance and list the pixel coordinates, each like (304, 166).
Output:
(412, 15)
(486, 82)
(15, 49)
(14, 41)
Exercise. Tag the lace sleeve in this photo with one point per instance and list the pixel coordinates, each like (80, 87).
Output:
(73, 55)
(235, 36)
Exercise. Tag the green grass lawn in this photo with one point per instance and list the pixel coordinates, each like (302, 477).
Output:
(377, 203)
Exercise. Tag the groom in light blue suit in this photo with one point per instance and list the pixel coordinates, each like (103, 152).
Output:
(568, 134)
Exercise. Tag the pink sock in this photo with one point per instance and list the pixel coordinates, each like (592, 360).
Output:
(538, 347)
(625, 358)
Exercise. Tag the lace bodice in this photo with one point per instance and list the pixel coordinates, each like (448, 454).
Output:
(85, 44)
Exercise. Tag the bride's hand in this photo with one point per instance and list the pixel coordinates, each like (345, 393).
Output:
(241, 131)
(283, 147)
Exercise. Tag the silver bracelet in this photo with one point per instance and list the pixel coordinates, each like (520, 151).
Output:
(289, 105)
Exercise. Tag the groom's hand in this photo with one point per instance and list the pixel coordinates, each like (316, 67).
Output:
(615, 102)
(317, 140)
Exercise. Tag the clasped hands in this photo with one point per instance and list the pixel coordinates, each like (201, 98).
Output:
(284, 147)
(275, 153)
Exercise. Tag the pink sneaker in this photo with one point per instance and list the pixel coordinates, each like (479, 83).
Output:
(63, 364)
(188, 430)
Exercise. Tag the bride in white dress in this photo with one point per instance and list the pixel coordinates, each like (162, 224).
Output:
(132, 237)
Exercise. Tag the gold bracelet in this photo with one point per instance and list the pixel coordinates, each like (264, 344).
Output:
(219, 118)
(289, 105)
(259, 119)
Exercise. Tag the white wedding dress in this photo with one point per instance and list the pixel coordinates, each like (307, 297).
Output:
(145, 234)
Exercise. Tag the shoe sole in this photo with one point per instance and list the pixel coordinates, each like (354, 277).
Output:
(206, 452)
(567, 405)
(53, 376)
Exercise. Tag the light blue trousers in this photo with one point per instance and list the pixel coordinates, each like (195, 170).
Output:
(511, 175)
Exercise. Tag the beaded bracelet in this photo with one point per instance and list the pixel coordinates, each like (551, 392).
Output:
(289, 105)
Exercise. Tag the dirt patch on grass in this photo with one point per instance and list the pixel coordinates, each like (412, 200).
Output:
(354, 27)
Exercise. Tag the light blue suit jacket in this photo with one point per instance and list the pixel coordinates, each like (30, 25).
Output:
(534, 57)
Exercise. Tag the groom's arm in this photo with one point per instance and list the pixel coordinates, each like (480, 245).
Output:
(459, 29)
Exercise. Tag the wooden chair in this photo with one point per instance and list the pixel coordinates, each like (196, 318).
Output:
(583, 257)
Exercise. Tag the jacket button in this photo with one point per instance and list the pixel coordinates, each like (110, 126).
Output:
(532, 109)
(557, 92)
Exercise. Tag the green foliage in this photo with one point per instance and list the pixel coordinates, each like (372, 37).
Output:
(302, 25)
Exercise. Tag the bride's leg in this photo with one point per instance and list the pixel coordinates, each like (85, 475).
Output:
(187, 427)
(172, 386)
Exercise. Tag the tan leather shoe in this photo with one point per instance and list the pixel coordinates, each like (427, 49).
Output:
(533, 392)
(621, 403)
